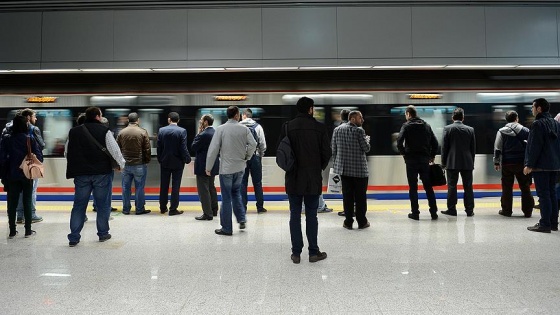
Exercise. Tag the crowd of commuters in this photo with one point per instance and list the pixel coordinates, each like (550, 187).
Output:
(234, 150)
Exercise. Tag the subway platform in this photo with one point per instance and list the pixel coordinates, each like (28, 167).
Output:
(157, 264)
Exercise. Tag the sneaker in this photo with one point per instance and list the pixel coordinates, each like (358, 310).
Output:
(36, 219)
(325, 210)
(105, 237)
(242, 225)
(319, 256)
(29, 233)
(19, 220)
(73, 244)
(12, 234)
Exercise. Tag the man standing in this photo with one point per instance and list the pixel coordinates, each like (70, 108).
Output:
(204, 183)
(343, 120)
(254, 165)
(418, 144)
(91, 169)
(235, 145)
(35, 133)
(509, 156)
(349, 147)
(172, 155)
(457, 156)
(135, 147)
(310, 145)
(542, 159)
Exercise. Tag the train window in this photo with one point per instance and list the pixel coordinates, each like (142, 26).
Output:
(220, 114)
(335, 114)
(319, 114)
(149, 120)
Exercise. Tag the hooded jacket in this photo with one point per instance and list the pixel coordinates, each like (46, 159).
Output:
(509, 147)
(543, 145)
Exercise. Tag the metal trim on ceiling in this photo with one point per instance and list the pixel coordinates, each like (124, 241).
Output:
(49, 5)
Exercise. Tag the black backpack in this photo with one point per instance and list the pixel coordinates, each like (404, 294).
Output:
(285, 157)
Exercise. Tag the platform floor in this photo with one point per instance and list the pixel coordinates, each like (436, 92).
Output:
(156, 264)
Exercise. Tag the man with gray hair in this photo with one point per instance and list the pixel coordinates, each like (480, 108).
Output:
(135, 147)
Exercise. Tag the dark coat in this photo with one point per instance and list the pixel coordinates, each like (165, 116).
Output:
(311, 146)
(543, 145)
(200, 146)
(417, 142)
(16, 151)
(172, 150)
(84, 157)
(459, 147)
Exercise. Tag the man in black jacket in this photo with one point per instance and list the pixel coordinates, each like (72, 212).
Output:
(310, 144)
(418, 144)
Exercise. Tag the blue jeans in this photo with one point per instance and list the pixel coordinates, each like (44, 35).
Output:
(545, 182)
(111, 192)
(230, 186)
(19, 209)
(254, 167)
(101, 186)
(321, 204)
(138, 173)
(175, 176)
(311, 224)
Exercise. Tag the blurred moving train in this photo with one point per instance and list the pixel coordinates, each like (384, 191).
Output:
(383, 113)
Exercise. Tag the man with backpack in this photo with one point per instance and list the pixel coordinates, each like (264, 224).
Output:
(509, 155)
(254, 165)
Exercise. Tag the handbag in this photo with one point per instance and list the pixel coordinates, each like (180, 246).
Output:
(31, 166)
(114, 164)
(437, 175)
(335, 183)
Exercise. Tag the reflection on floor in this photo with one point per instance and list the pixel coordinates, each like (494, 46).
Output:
(157, 264)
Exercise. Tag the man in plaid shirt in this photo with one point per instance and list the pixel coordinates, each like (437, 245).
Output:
(349, 146)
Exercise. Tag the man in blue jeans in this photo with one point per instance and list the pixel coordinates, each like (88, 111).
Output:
(310, 145)
(91, 169)
(254, 165)
(235, 145)
(542, 159)
(134, 143)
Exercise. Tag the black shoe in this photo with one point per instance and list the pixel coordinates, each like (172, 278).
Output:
(449, 212)
(12, 234)
(469, 213)
(538, 228)
(365, 226)
(242, 225)
(126, 212)
(434, 215)
(175, 212)
(319, 256)
(105, 237)
(537, 206)
(414, 216)
(295, 259)
(30, 233)
(73, 244)
(221, 232)
(113, 209)
(143, 212)
(528, 214)
(261, 210)
(204, 217)
(94, 210)
(163, 211)
(554, 228)
(348, 227)
(215, 213)
(341, 213)
(505, 214)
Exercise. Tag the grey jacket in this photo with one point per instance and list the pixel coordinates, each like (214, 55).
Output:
(260, 133)
(235, 145)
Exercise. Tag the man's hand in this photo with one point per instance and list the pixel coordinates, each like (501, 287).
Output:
(497, 167)
(527, 170)
(207, 173)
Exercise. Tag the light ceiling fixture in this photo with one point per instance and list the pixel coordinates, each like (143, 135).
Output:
(480, 66)
(186, 69)
(407, 67)
(118, 70)
(261, 68)
(335, 68)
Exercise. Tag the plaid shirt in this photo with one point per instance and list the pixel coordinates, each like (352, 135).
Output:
(349, 147)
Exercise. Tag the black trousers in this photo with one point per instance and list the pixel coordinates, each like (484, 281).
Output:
(413, 170)
(509, 173)
(207, 194)
(468, 198)
(354, 191)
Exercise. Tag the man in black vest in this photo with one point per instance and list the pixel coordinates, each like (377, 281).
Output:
(91, 170)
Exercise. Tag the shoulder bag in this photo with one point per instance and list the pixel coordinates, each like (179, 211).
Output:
(31, 166)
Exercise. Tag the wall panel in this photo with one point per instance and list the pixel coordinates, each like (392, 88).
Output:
(225, 34)
(20, 37)
(78, 36)
(150, 35)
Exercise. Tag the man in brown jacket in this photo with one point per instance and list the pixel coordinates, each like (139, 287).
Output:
(135, 147)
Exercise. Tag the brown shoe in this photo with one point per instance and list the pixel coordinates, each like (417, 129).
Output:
(295, 259)
(319, 256)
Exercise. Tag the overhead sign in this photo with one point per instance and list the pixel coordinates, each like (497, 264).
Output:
(424, 96)
(235, 98)
(41, 99)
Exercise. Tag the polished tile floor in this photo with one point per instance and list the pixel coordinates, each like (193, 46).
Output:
(157, 264)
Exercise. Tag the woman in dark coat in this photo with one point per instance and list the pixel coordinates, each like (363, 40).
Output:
(16, 150)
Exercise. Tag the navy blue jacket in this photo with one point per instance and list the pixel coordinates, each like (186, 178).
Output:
(172, 150)
(17, 150)
(543, 145)
(200, 146)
